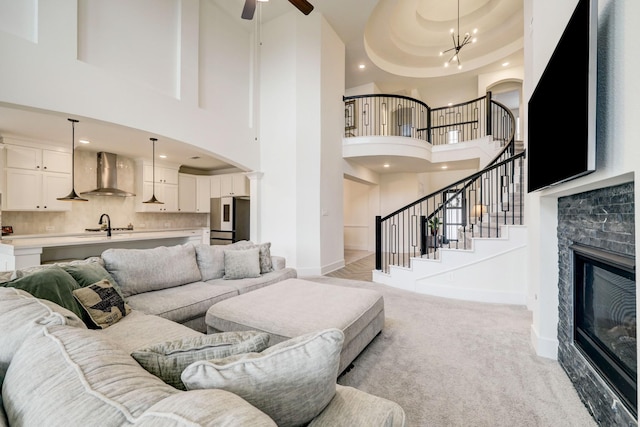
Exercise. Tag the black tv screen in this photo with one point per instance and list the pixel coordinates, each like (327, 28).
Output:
(561, 119)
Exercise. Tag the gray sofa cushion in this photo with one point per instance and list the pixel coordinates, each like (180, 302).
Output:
(251, 284)
(144, 270)
(182, 303)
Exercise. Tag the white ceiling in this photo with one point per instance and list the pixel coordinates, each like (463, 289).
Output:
(403, 38)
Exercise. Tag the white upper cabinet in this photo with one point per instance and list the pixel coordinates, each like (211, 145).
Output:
(34, 177)
(203, 194)
(194, 193)
(234, 185)
(166, 187)
(23, 157)
(186, 193)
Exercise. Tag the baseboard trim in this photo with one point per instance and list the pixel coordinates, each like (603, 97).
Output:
(544, 347)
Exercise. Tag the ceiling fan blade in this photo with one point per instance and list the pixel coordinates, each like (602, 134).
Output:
(249, 9)
(303, 6)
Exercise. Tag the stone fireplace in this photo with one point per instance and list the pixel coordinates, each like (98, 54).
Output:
(597, 306)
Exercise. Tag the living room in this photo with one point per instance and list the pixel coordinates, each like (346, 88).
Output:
(194, 79)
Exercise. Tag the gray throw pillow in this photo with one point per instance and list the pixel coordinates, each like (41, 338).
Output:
(242, 263)
(292, 382)
(167, 360)
(210, 261)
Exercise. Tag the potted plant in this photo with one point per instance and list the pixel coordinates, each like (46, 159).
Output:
(434, 225)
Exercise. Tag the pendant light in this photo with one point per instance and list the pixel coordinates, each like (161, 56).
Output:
(153, 165)
(73, 196)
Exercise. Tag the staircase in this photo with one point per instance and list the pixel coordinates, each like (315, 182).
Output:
(486, 261)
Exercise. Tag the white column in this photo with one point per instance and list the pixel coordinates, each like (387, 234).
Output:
(254, 205)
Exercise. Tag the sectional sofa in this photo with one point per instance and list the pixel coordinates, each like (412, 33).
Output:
(138, 363)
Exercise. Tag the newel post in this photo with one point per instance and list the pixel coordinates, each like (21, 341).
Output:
(378, 243)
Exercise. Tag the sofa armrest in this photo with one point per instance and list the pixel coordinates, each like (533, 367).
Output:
(353, 407)
(204, 408)
(279, 262)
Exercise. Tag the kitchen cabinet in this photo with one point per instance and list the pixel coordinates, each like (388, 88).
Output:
(166, 187)
(234, 185)
(163, 175)
(203, 194)
(194, 193)
(34, 177)
(186, 193)
(32, 158)
(167, 194)
(215, 186)
(29, 190)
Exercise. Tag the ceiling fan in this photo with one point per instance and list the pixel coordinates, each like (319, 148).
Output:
(250, 7)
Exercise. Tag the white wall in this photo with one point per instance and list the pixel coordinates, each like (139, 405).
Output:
(617, 149)
(302, 82)
(180, 72)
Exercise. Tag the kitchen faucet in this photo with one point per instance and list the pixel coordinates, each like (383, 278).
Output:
(108, 223)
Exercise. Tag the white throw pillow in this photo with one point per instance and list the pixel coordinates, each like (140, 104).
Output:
(292, 382)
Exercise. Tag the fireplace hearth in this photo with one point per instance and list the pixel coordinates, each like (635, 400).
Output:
(605, 317)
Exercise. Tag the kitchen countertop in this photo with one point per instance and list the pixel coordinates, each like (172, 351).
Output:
(9, 243)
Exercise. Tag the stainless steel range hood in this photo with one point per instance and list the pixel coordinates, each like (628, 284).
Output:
(107, 177)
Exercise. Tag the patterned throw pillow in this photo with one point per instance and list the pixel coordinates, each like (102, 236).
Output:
(167, 360)
(241, 263)
(292, 382)
(266, 265)
(103, 303)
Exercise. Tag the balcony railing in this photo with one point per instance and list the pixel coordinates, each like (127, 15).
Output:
(397, 115)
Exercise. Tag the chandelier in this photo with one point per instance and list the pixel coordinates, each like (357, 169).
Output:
(457, 43)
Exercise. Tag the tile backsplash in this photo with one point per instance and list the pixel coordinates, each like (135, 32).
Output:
(83, 215)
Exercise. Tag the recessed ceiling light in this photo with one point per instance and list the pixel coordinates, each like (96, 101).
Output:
(504, 64)
(450, 104)
(386, 165)
(84, 141)
(444, 167)
(163, 156)
(362, 66)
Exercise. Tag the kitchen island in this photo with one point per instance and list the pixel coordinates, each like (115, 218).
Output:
(18, 252)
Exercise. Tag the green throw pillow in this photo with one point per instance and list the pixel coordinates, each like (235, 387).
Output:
(88, 274)
(52, 284)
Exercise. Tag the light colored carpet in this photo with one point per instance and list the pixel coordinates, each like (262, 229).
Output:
(460, 363)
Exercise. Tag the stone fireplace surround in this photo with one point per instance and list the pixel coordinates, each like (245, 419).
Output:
(602, 218)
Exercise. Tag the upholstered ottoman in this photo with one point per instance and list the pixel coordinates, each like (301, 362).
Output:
(294, 307)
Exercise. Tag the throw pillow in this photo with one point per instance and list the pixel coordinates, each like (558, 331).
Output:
(52, 284)
(210, 261)
(88, 274)
(103, 303)
(241, 263)
(292, 382)
(167, 360)
(266, 265)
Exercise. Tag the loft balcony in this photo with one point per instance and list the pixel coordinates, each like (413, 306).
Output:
(422, 139)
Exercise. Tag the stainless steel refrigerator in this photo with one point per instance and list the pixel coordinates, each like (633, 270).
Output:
(229, 220)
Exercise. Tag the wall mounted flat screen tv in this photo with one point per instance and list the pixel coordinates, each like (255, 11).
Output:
(561, 121)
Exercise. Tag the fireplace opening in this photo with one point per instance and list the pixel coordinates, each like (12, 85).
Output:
(605, 317)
